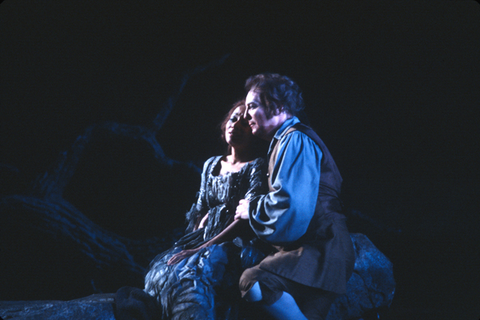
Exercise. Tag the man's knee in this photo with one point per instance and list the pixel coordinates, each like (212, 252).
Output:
(247, 280)
(254, 294)
(257, 285)
(250, 284)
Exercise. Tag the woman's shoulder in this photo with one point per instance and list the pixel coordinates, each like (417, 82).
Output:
(258, 161)
(211, 163)
(212, 160)
(257, 164)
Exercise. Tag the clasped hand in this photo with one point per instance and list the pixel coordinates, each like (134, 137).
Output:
(242, 210)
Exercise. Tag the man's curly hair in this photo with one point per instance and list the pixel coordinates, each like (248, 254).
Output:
(276, 92)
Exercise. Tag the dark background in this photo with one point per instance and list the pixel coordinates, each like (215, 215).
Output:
(391, 87)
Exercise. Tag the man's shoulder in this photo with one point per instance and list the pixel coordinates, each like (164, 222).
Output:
(300, 127)
(302, 131)
(303, 128)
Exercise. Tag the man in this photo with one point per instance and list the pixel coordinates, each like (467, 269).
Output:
(300, 215)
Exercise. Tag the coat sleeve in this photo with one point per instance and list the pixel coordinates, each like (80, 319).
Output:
(282, 216)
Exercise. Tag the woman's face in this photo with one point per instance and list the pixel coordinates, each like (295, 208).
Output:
(237, 131)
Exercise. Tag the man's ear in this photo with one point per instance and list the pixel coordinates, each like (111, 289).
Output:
(279, 109)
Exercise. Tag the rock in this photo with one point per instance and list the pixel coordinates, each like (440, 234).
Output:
(48, 241)
(371, 287)
(94, 307)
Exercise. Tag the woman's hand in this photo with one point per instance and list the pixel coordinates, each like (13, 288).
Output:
(242, 210)
(176, 258)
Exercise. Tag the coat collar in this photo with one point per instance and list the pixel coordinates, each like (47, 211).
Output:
(282, 131)
(285, 126)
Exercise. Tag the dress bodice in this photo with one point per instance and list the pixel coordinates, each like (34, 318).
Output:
(223, 192)
(220, 188)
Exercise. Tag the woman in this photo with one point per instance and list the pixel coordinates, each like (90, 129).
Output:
(198, 277)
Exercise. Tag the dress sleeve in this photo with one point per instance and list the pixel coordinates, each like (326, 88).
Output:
(200, 207)
(282, 216)
(257, 183)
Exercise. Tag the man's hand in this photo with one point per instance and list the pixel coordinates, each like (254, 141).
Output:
(242, 210)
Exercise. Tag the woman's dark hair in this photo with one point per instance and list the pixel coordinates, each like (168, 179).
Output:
(276, 93)
(259, 146)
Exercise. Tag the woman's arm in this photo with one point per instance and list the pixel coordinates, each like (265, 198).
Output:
(229, 233)
(202, 222)
(199, 209)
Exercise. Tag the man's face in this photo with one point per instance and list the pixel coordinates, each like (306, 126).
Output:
(262, 125)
